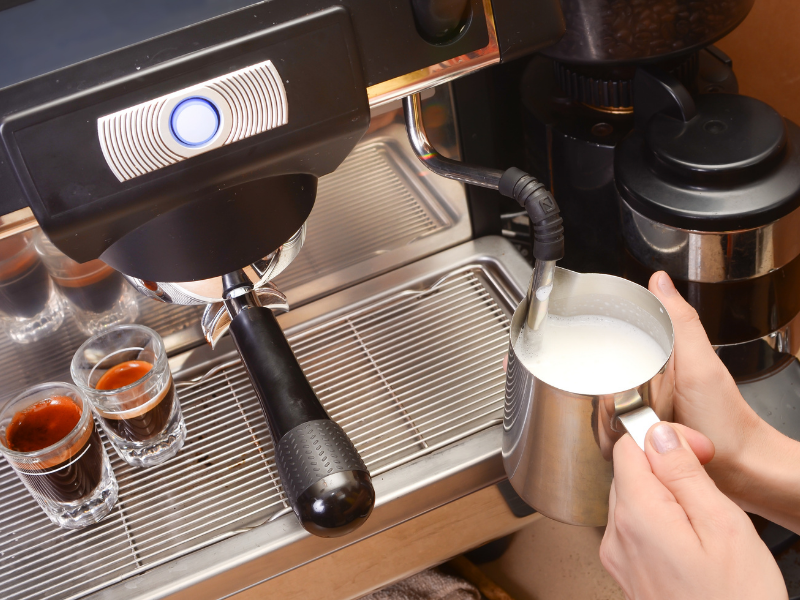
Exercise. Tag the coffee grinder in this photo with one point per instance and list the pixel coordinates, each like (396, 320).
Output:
(711, 202)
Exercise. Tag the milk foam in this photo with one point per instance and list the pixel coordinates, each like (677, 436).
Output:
(590, 354)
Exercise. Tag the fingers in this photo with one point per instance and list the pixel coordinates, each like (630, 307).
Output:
(702, 447)
(641, 510)
(633, 477)
(505, 363)
(674, 463)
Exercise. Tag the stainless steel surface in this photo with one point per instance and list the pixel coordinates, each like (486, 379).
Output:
(711, 257)
(539, 293)
(442, 72)
(614, 32)
(208, 291)
(217, 317)
(408, 363)
(430, 157)
(638, 422)
(557, 445)
(377, 211)
(48, 359)
(785, 340)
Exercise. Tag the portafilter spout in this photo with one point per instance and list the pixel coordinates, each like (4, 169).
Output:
(531, 194)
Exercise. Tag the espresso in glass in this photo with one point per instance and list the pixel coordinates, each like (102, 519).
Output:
(50, 439)
(143, 422)
(124, 373)
(92, 286)
(98, 295)
(29, 305)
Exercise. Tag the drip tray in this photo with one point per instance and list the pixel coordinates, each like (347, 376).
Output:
(408, 363)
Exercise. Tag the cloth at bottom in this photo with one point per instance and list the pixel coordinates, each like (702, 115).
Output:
(428, 585)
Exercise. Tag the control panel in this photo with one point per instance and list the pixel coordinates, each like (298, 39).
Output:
(188, 122)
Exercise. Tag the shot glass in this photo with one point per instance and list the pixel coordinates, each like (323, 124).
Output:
(30, 308)
(124, 373)
(98, 295)
(48, 436)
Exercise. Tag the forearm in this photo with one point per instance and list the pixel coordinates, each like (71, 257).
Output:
(768, 477)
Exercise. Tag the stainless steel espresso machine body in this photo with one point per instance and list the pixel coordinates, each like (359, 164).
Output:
(188, 159)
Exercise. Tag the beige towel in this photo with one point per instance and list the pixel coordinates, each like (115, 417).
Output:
(428, 585)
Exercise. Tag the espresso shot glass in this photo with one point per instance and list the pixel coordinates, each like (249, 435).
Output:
(48, 436)
(124, 373)
(98, 295)
(30, 308)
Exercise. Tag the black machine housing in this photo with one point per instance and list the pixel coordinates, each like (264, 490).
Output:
(209, 214)
(222, 210)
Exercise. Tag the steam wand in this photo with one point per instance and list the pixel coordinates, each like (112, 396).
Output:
(548, 231)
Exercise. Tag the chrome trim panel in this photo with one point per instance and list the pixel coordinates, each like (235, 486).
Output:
(711, 257)
(785, 340)
(440, 73)
(139, 139)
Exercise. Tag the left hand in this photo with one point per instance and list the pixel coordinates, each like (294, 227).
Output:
(672, 534)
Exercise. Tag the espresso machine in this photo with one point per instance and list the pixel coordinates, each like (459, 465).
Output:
(188, 160)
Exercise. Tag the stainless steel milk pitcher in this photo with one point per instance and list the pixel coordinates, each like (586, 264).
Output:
(557, 445)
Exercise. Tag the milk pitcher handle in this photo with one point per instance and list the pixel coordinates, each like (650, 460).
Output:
(637, 422)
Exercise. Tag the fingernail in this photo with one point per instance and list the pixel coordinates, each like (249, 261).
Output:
(664, 439)
(665, 284)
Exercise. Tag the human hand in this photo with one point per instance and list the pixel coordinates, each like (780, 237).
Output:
(706, 397)
(672, 534)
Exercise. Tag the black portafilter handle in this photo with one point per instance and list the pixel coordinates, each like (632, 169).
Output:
(325, 479)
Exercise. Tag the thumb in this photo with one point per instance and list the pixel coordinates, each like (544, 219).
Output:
(675, 465)
(697, 366)
(684, 317)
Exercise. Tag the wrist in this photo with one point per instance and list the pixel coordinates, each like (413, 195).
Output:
(742, 473)
(767, 480)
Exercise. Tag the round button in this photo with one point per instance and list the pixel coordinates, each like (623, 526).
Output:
(194, 122)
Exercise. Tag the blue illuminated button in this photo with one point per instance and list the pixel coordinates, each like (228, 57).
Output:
(194, 122)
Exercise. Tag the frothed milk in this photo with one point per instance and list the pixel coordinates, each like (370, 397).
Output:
(590, 354)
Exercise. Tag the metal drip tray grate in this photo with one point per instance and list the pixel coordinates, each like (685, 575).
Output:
(404, 375)
(373, 203)
(24, 365)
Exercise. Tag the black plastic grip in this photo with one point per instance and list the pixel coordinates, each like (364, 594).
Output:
(323, 475)
(538, 202)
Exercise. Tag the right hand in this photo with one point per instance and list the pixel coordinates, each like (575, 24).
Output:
(672, 535)
(706, 397)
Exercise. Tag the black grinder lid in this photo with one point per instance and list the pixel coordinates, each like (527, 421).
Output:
(734, 165)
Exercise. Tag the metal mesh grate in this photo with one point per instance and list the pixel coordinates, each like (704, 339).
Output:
(403, 376)
(23, 365)
(378, 200)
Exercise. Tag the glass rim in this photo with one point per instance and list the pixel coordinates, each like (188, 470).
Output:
(85, 416)
(30, 241)
(90, 391)
(101, 267)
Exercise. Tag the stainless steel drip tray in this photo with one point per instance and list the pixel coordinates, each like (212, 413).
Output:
(408, 363)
